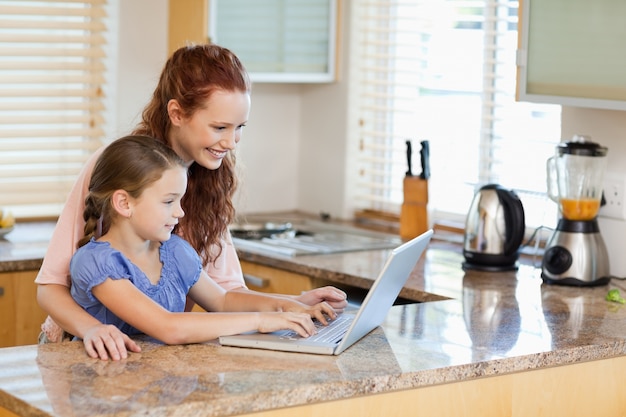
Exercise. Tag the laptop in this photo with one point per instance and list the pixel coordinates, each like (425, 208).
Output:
(350, 326)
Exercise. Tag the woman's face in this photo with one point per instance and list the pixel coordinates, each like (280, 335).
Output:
(212, 131)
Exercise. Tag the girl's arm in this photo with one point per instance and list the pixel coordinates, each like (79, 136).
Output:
(238, 300)
(137, 309)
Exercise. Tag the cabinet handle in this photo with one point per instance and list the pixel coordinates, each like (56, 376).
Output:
(1, 291)
(255, 281)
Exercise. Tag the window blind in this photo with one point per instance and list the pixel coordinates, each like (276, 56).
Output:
(444, 71)
(52, 75)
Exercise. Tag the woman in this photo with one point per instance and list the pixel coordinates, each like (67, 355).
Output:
(199, 109)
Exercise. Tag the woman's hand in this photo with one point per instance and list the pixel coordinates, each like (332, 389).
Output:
(301, 323)
(105, 340)
(336, 298)
(320, 311)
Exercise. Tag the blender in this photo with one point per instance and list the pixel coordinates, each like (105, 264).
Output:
(576, 253)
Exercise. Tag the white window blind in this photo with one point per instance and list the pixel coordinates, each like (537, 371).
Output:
(51, 99)
(444, 71)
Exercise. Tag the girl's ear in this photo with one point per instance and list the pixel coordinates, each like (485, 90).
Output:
(121, 203)
(175, 112)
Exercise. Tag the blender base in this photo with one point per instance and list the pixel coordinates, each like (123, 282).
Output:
(576, 255)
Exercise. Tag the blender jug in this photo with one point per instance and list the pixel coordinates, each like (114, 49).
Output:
(575, 178)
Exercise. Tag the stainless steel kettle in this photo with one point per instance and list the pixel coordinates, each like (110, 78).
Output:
(494, 230)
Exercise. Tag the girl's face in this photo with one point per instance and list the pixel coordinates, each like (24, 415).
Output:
(212, 131)
(157, 210)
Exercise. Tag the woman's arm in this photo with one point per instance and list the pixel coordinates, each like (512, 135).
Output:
(246, 300)
(226, 271)
(135, 308)
(100, 340)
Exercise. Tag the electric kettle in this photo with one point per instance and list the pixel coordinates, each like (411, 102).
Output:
(494, 230)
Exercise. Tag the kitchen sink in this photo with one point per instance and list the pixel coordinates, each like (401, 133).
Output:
(309, 238)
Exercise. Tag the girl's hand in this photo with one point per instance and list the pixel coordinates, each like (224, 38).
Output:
(336, 298)
(106, 340)
(301, 323)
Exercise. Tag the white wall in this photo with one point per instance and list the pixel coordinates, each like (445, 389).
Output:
(295, 147)
(268, 153)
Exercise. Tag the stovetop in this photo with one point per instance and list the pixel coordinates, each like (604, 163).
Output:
(317, 238)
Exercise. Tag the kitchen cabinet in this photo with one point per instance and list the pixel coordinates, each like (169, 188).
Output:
(20, 314)
(267, 279)
(570, 52)
(278, 41)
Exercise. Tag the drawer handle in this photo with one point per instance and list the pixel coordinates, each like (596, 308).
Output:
(255, 281)
(1, 291)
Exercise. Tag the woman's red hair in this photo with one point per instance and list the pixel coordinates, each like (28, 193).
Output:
(190, 76)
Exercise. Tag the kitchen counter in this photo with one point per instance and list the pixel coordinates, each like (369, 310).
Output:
(473, 327)
(24, 247)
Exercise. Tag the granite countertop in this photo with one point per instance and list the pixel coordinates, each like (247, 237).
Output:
(474, 324)
(24, 247)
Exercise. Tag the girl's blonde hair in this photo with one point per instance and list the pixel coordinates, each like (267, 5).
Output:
(131, 164)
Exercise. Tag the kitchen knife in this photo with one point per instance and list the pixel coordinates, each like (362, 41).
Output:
(425, 160)
(409, 154)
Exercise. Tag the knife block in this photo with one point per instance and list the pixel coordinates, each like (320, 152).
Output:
(413, 213)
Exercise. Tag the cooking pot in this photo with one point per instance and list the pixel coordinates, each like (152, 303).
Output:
(494, 230)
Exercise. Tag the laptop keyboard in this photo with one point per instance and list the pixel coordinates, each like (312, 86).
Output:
(331, 333)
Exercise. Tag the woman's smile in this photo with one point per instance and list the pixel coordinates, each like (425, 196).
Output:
(217, 154)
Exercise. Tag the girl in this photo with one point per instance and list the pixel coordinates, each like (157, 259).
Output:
(198, 109)
(131, 272)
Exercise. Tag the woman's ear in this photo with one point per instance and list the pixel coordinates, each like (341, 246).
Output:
(175, 112)
(121, 203)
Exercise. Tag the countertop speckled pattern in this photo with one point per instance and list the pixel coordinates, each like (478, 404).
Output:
(479, 324)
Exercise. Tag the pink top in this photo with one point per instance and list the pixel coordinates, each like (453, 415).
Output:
(55, 269)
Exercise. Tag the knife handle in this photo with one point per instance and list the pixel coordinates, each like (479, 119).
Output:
(425, 159)
(409, 155)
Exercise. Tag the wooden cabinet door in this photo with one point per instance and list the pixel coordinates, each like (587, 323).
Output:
(20, 314)
(7, 311)
(267, 279)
